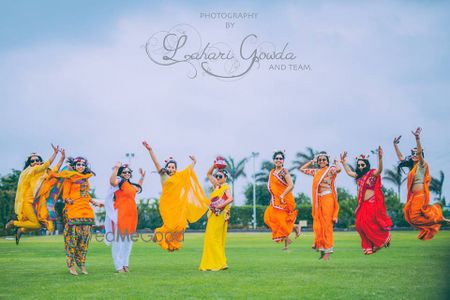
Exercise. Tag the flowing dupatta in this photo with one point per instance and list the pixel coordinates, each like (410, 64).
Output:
(381, 216)
(182, 201)
(111, 215)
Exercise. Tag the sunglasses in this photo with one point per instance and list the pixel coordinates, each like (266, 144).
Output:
(219, 176)
(35, 160)
(126, 172)
(80, 165)
(278, 158)
(322, 159)
(361, 165)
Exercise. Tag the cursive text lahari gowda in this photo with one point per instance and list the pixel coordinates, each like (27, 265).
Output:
(210, 57)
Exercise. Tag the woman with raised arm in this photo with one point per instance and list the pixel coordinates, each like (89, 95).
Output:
(418, 211)
(182, 201)
(280, 215)
(214, 258)
(122, 214)
(31, 176)
(78, 212)
(372, 222)
(325, 206)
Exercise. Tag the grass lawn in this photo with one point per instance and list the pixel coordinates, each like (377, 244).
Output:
(409, 269)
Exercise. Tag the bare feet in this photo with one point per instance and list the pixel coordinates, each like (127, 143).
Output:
(18, 235)
(321, 254)
(297, 230)
(83, 271)
(125, 268)
(326, 256)
(287, 242)
(121, 271)
(73, 271)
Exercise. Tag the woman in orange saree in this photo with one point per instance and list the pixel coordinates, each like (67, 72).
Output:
(280, 215)
(418, 211)
(325, 207)
(182, 201)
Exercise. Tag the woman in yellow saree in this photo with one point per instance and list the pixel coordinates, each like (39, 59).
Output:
(214, 258)
(182, 201)
(31, 177)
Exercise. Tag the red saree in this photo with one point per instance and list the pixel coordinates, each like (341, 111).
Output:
(372, 222)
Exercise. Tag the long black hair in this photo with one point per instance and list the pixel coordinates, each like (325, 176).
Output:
(407, 162)
(28, 161)
(361, 173)
(123, 180)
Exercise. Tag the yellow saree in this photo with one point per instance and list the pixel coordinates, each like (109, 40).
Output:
(214, 258)
(182, 201)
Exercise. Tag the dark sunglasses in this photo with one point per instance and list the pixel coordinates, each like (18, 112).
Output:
(35, 160)
(219, 176)
(278, 158)
(80, 165)
(126, 172)
(361, 165)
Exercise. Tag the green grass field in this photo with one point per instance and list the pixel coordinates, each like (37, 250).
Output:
(409, 269)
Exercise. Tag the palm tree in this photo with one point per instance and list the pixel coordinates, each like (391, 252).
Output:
(236, 170)
(395, 176)
(436, 187)
(262, 176)
(302, 158)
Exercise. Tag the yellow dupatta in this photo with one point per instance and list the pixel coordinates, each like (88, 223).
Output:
(182, 201)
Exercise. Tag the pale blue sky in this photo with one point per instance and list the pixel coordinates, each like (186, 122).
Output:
(75, 73)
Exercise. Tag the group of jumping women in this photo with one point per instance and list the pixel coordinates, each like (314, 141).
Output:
(183, 201)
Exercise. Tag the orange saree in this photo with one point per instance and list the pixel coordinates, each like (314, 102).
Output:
(279, 217)
(325, 209)
(417, 210)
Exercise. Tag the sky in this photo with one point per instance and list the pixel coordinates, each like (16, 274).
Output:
(76, 73)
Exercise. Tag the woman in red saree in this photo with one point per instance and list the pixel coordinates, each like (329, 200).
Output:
(372, 222)
(325, 207)
(418, 212)
(280, 215)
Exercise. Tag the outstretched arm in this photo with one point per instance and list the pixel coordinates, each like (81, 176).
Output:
(194, 161)
(152, 155)
(61, 160)
(380, 162)
(345, 165)
(141, 180)
(113, 179)
(210, 176)
(305, 168)
(419, 144)
(397, 149)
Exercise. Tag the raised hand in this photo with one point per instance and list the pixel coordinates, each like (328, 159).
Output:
(397, 140)
(344, 157)
(147, 146)
(118, 165)
(142, 172)
(63, 152)
(194, 160)
(417, 132)
(55, 149)
(380, 152)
